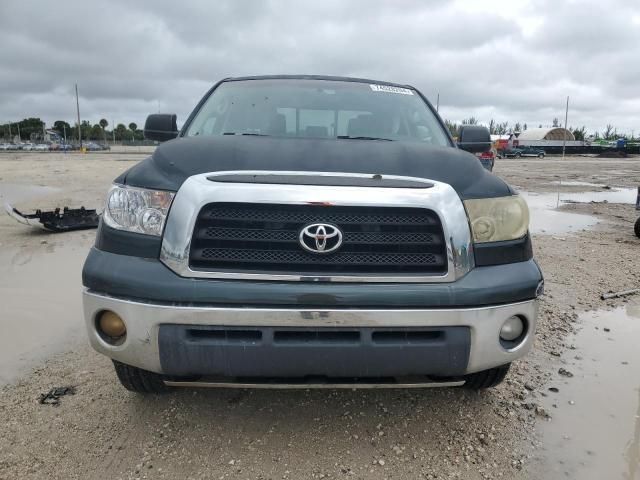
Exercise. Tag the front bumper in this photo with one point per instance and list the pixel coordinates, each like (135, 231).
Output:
(160, 338)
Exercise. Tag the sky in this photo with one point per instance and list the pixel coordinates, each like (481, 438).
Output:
(514, 61)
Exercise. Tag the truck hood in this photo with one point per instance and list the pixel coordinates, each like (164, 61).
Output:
(174, 161)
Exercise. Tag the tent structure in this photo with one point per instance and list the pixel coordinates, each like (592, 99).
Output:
(551, 133)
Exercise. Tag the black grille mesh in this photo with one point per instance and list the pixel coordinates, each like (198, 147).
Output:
(263, 238)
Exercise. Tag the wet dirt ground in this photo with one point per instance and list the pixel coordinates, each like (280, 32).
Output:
(595, 401)
(589, 428)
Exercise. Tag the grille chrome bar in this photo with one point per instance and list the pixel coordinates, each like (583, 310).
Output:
(454, 246)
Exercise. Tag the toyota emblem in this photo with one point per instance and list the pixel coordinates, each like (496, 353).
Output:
(320, 238)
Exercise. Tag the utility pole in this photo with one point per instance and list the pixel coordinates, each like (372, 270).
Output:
(19, 136)
(64, 129)
(113, 131)
(438, 102)
(564, 134)
(78, 112)
(564, 145)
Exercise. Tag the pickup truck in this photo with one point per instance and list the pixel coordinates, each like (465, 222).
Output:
(518, 152)
(311, 232)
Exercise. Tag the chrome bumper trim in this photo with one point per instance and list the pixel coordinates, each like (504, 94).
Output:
(200, 190)
(314, 386)
(140, 347)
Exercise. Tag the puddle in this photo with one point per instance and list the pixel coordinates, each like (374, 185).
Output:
(41, 304)
(14, 193)
(576, 183)
(594, 432)
(547, 219)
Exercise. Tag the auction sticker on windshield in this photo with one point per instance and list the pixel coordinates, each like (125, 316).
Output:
(390, 89)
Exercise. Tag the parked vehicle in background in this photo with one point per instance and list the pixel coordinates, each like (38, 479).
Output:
(4, 146)
(96, 147)
(41, 147)
(26, 146)
(522, 152)
(487, 159)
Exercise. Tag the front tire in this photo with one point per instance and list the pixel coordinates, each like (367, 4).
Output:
(140, 381)
(541, 155)
(486, 378)
(517, 155)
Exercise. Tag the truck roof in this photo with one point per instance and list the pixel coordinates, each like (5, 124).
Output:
(318, 77)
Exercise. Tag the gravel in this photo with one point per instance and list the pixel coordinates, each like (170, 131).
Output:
(105, 431)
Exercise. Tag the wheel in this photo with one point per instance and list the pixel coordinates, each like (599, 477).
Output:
(518, 155)
(486, 378)
(636, 228)
(541, 155)
(138, 380)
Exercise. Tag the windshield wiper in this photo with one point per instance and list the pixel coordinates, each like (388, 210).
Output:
(250, 134)
(349, 137)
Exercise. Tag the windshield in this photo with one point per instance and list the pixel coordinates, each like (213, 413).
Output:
(317, 109)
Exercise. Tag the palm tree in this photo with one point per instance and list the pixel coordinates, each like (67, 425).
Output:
(133, 127)
(103, 123)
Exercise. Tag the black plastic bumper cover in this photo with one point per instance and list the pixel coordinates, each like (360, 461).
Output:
(329, 352)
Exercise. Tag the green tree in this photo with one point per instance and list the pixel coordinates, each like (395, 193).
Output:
(453, 127)
(85, 128)
(556, 123)
(96, 132)
(29, 128)
(120, 131)
(103, 124)
(133, 127)
(502, 128)
(580, 133)
(61, 126)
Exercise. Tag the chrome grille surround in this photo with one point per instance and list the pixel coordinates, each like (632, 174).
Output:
(200, 190)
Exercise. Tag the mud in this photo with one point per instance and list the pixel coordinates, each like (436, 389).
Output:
(105, 432)
(40, 312)
(13, 193)
(594, 430)
(548, 217)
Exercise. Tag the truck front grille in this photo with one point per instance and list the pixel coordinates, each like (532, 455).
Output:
(264, 238)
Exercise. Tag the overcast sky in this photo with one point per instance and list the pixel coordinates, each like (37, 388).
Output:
(504, 59)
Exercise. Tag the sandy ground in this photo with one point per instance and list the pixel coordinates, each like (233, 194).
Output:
(104, 431)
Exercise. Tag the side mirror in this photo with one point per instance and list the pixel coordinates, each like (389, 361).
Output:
(474, 139)
(161, 127)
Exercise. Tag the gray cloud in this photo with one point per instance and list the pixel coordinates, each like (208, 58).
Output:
(512, 61)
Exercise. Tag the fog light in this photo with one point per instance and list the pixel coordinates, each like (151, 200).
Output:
(111, 325)
(512, 329)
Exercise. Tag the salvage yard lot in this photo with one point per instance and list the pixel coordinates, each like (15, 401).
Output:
(104, 431)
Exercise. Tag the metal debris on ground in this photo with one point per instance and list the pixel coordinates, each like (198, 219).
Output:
(57, 220)
(52, 397)
(624, 293)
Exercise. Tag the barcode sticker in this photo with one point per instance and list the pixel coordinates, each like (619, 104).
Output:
(390, 89)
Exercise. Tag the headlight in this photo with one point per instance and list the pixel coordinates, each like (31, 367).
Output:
(498, 219)
(137, 209)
